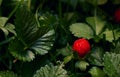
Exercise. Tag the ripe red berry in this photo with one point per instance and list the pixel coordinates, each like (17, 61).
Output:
(117, 16)
(81, 46)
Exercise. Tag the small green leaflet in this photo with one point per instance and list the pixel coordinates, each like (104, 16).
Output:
(50, 70)
(6, 27)
(3, 21)
(82, 30)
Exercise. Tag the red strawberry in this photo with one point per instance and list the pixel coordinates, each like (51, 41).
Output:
(117, 16)
(81, 46)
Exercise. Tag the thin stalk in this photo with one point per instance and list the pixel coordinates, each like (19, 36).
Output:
(60, 10)
(60, 16)
(36, 14)
(29, 4)
(113, 35)
(95, 16)
(14, 10)
(6, 41)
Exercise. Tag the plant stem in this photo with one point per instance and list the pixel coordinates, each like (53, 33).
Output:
(60, 10)
(6, 41)
(14, 10)
(29, 4)
(95, 16)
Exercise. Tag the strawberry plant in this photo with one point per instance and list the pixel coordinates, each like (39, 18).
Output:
(59, 38)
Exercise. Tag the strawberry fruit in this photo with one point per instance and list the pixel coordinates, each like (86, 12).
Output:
(117, 16)
(81, 46)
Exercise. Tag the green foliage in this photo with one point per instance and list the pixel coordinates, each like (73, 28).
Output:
(96, 23)
(97, 72)
(116, 49)
(6, 27)
(30, 38)
(99, 2)
(0, 2)
(112, 64)
(82, 65)
(96, 55)
(34, 33)
(82, 30)
(8, 74)
(111, 35)
(73, 3)
(50, 70)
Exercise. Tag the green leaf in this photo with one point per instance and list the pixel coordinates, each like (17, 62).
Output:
(44, 43)
(82, 30)
(97, 72)
(66, 51)
(25, 25)
(82, 65)
(6, 27)
(10, 27)
(68, 58)
(30, 38)
(99, 2)
(96, 55)
(96, 23)
(4, 30)
(0, 2)
(109, 34)
(3, 21)
(117, 48)
(112, 64)
(50, 70)
(18, 50)
(7, 74)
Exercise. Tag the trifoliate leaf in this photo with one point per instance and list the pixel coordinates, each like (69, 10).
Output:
(112, 64)
(50, 70)
(97, 24)
(7, 74)
(82, 30)
(30, 38)
(97, 72)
